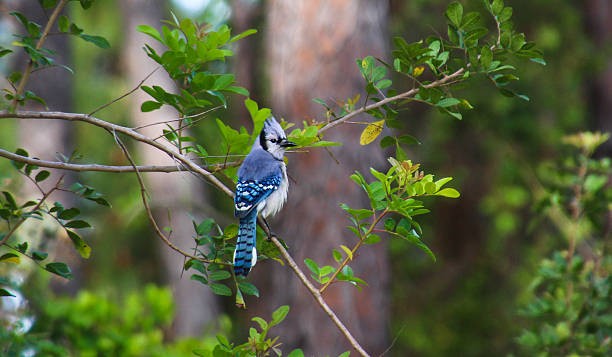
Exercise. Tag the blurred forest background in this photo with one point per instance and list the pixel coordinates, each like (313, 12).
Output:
(488, 242)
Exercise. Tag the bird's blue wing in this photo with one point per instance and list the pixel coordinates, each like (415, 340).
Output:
(249, 193)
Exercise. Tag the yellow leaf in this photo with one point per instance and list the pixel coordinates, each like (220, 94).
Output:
(10, 258)
(348, 251)
(371, 132)
(417, 71)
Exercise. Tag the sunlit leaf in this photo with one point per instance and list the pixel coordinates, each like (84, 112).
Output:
(371, 132)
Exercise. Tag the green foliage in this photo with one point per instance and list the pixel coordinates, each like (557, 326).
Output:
(92, 324)
(434, 66)
(394, 204)
(31, 42)
(13, 214)
(569, 310)
(191, 49)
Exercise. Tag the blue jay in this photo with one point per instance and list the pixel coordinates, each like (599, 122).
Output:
(262, 188)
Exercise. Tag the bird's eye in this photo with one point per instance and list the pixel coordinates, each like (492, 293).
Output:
(274, 140)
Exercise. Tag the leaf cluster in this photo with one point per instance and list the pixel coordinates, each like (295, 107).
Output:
(395, 200)
(190, 52)
(569, 310)
(31, 41)
(13, 214)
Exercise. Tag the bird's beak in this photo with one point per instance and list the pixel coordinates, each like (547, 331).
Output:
(286, 143)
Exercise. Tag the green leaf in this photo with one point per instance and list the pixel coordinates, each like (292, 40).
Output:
(77, 224)
(79, 244)
(242, 35)
(38, 256)
(441, 182)
(279, 315)
(63, 23)
(261, 322)
(149, 30)
(297, 353)
(10, 258)
(96, 40)
(22, 247)
(337, 255)
(454, 14)
(387, 141)
(447, 102)
(220, 289)
(4, 51)
(42, 175)
(200, 278)
(219, 275)
(60, 269)
(448, 192)
(69, 213)
(248, 288)
(312, 265)
(150, 106)
(372, 239)
(486, 57)
(4, 292)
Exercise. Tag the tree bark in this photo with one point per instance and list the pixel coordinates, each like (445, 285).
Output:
(173, 197)
(598, 20)
(311, 51)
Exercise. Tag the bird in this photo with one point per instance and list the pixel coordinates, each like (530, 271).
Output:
(261, 188)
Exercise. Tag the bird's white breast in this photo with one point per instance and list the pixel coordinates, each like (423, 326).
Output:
(276, 200)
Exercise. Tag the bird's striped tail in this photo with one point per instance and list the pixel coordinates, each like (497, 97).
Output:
(245, 255)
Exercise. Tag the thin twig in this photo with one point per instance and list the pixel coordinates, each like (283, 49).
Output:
(145, 202)
(347, 259)
(177, 120)
(126, 94)
(318, 297)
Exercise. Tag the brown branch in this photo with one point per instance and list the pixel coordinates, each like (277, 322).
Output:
(440, 82)
(347, 259)
(114, 128)
(318, 297)
(145, 202)
(105, 168)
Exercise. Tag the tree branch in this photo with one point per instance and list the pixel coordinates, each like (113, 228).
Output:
(145, 202)
(440, 82)
(114, 128)
(104, 168)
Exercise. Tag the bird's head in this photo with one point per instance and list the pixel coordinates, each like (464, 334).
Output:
(273, 139)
